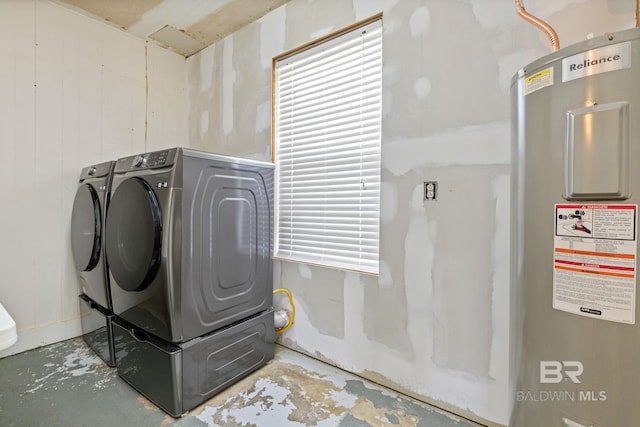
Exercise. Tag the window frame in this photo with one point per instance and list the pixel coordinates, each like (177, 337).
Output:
(326, 40)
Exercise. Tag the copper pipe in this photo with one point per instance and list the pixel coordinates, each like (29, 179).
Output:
(637, 13)
(546, 28)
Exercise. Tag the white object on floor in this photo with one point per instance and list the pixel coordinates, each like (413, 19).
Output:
(8, 333)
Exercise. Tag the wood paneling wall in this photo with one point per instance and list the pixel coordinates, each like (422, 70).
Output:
(73, 92)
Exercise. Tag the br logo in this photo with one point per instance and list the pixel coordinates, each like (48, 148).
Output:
(553, 371)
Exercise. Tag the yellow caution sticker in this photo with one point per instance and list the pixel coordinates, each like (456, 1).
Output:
(538, 81)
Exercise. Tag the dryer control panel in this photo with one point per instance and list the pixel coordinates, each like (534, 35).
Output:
(150, 160)
(156, 159)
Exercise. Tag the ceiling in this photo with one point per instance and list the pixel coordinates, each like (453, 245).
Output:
(184, 26)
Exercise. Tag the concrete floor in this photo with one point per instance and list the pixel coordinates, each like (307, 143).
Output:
(66, 384)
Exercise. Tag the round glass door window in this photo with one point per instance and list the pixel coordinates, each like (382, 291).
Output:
(86, 226)
(133, 235)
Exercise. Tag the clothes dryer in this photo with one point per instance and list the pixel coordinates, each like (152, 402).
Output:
(188, 239)
(87, 231)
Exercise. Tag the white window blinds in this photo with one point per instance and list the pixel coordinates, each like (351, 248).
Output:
(327, 129)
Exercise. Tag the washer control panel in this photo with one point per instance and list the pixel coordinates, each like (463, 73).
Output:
(101, 170)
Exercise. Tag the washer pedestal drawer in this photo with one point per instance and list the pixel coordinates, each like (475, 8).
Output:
(97, 329)
(178, 377)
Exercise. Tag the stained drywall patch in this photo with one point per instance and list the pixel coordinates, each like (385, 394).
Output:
(386, 309)
(203, 70)
(417, 260)
(305, 271)
(319, 293)
(463, 269)
(422, 87)
(500, 301)
(493, 14)
(388, 202)
(419, 21)
(384, 278)
(462, 70)
(412, 258)
(272, 36)
(307, 20)
(204, 122)
(206, 60)
(469, 145)
(238, 100)
(366, 8)
(385, 316)
(228, 80)
(263, 116)
(252, 100)
(322, 32)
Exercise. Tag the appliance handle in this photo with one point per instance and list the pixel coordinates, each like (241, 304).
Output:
(144, 337)
(139, 335)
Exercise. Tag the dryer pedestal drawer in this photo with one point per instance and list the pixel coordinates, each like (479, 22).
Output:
(97, 329)
(178, 377)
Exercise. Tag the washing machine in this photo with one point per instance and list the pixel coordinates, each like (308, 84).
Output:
(87, 246)
(188, 239)
(87, 231)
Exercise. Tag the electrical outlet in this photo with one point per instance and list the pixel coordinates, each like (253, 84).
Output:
(430, 190)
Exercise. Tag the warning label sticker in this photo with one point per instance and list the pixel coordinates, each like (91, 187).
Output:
(594, 261)
(538, 81)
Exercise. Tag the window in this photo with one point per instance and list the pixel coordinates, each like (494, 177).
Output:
(327, 133)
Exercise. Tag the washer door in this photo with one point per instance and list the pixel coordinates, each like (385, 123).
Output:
(133, 235)
(86, 226)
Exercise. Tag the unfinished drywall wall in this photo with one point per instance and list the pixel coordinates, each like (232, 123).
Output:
(436, 322)
(236, 119)
(73, 92)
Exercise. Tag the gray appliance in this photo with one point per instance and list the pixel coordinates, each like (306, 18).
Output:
(87, 245)
(97, 329)
(576, 133)
(179, 376)
(188, 239)
(87, 231)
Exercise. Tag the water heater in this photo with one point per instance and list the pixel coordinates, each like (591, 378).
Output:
(576, 157)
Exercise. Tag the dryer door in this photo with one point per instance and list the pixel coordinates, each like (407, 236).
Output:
(133, 235)
(86, 226)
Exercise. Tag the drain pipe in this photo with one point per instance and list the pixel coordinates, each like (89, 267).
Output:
(546, 28)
